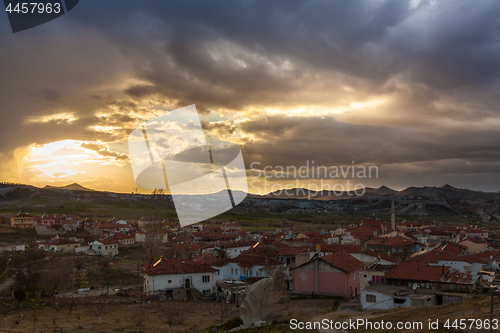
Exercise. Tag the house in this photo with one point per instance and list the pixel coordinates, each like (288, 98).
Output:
(206, 258)
(185, 250)
(398, 244)
(368, 257)
(175, 277)
(375, 273)
(111, 227)
(231, 249)
(461, 264)
(365, 232)
(408, 273)
(4, 247)
(474, 245)
(383, 297)
(493, 258)
(22, 221)
(140, 236)
(331, 275)
(474, 232)
(409, 225)
(70, 223)
(103, 247)
(58, 244)
(246, 265)
(48, 220)
(460, 282)
(234, 249)
(122, 238)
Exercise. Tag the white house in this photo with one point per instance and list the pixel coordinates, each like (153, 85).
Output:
(368, 257)
(4, 247)
(246, 265)
(59, 245)
(232, 249)
(176, 276)
(104, 247)
(140, 236)
(383, 297)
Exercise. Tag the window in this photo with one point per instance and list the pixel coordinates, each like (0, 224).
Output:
(371, 298)
(354, 276)
(236, 271)
(206, 278)
(206, 292)
(231, 271)
(169, 281)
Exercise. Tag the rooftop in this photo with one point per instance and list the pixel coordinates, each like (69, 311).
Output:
(176, 266)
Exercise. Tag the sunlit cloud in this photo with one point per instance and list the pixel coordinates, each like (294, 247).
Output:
(58, 118)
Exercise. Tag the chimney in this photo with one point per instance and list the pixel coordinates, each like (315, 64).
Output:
(393, 216)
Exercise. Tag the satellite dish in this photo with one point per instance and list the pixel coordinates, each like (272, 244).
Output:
(415, 286)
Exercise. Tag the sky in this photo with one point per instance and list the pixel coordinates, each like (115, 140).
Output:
(409, 87)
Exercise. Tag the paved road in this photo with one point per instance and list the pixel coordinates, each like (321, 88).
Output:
(95, 292)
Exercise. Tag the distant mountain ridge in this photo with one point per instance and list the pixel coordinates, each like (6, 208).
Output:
(413, 201)
(70, 187)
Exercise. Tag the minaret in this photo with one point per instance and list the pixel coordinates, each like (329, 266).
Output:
(393, 216)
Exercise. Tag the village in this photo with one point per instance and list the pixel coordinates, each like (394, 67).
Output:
(383, 264)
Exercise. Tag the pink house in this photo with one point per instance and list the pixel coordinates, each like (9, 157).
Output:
(335, 274)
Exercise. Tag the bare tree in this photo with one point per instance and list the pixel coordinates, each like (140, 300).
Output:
(172, 313)
(97, 309)
(106, 273)
(28, 268)
(20, 296)
(57, 306)
(70, 304)
(35, 315)
(152, 229)
(52, 280)
(138, 320)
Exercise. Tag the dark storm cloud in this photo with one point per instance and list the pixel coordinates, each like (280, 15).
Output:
(437, 63)
(294, 141)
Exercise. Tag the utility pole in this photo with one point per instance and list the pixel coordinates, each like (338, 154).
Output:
(7, 270)
(73, 277)
(492, 293)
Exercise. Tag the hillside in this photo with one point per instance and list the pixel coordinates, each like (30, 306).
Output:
(429, 202)
(70, 187)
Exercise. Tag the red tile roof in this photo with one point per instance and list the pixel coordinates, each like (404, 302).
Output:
(119, 236)
(206, 258)
(393, 241)
(107, 241)
(454, 248)
(380, 255)
(459, 278)
(186, 247)
(58, 241)
(177, 266)
(487, 255)
(417, 271)
(349, 248)
(342, 260)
